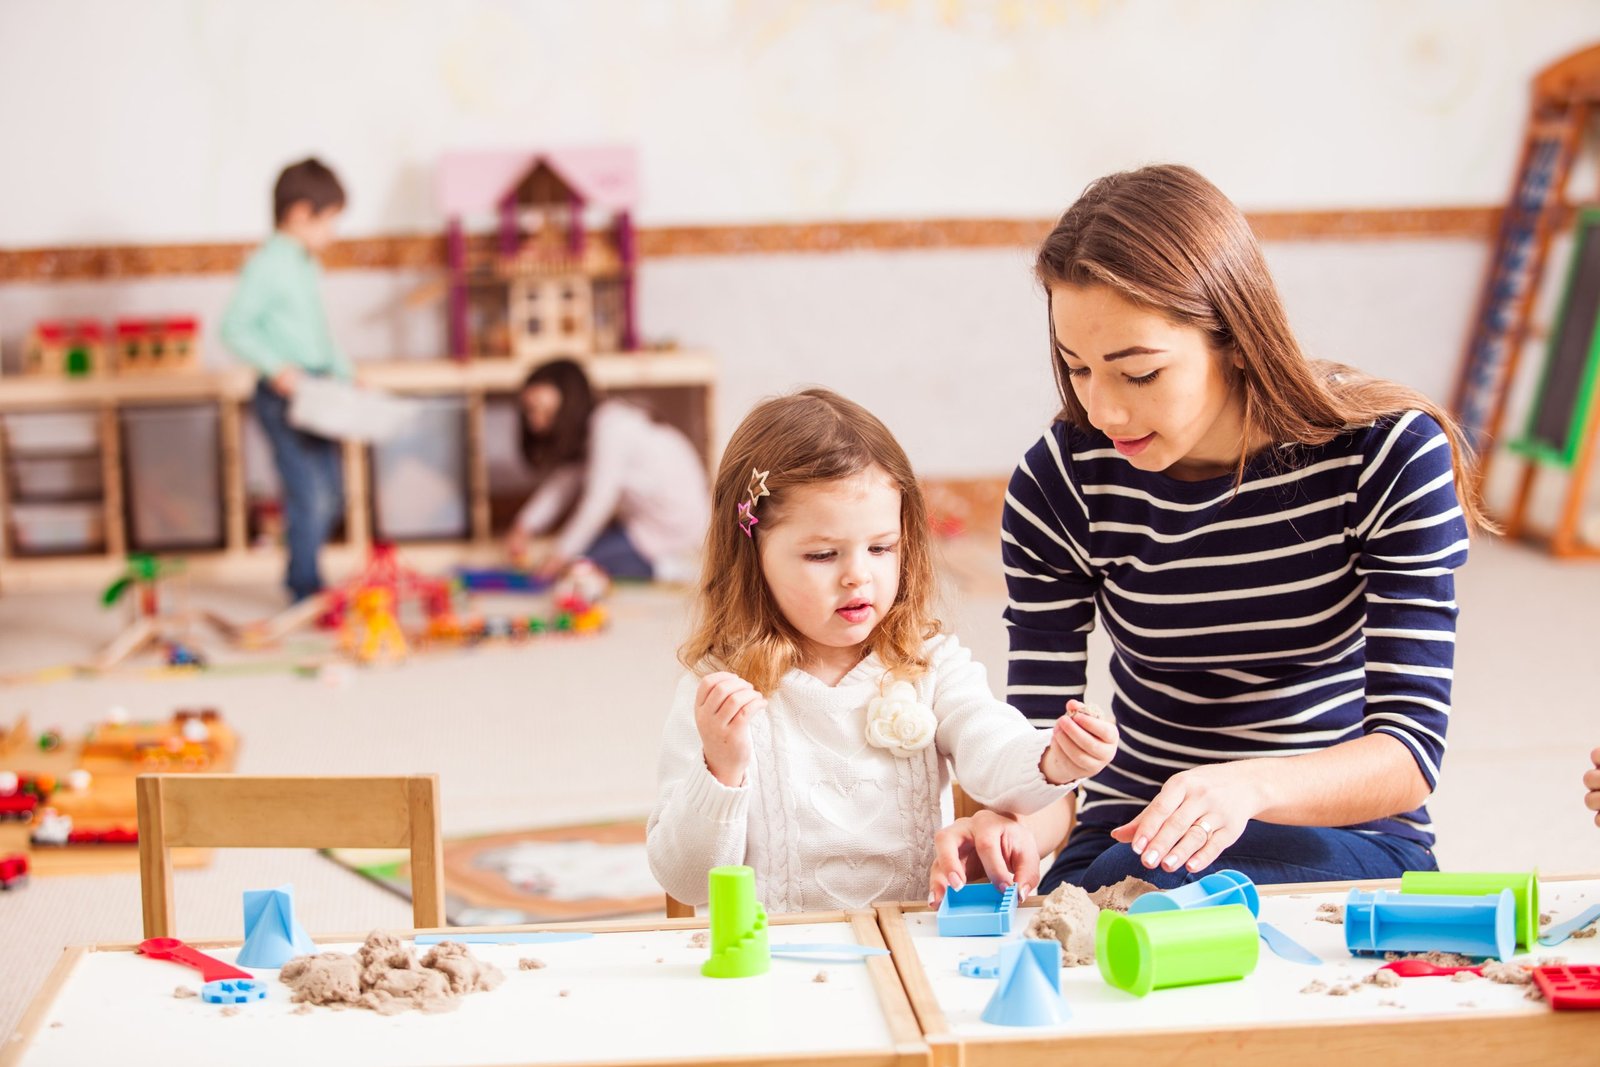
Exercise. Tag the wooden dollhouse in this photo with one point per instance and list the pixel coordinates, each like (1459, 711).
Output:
(65, 348)
(559, 278)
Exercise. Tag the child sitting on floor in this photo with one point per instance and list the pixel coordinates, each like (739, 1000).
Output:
(809, 740)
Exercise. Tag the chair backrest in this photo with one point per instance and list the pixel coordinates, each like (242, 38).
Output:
(241, 811)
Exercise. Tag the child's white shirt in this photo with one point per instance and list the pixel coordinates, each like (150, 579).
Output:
(827, 820)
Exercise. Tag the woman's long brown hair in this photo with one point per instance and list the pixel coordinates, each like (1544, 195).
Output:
(1167, 239)
(802, 439)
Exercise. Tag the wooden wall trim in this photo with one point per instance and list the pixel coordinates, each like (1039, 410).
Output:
(426, 251)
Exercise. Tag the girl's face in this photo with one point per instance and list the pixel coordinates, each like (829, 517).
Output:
(541, 403)
(1157, 389)
(833, 562)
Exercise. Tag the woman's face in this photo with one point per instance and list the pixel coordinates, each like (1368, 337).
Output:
(541, 403)
(1157, 389)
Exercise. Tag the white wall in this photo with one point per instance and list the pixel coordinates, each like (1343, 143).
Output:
(166, 120)
(947, 347)
(172, 117)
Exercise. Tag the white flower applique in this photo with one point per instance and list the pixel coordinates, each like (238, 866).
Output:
(897, 722)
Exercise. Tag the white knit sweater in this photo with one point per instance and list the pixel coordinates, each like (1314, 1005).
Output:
(827, 820)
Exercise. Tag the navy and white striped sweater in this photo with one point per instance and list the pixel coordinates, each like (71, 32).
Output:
(1313, 606)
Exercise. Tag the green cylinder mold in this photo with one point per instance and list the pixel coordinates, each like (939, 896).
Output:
(1161, 949)
(738, 926)
(1524, 886)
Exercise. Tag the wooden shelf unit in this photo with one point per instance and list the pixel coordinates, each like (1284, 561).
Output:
(477, 382)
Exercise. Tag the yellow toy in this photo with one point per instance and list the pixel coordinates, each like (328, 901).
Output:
(373, 619)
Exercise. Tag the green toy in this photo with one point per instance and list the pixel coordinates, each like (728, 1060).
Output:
(1160, 949)
(1524, 887)
(738, 926)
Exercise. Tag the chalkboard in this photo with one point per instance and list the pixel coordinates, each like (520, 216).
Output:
(1566, 390)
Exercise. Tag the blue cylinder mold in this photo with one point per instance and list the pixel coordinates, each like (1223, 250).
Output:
(1385, 921)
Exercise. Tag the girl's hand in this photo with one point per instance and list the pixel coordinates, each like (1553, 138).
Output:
(517, 542)
(987, 845)
(1591, 781)
(551, 566)
(1081, 745)
(1197, 814)
(722, 705)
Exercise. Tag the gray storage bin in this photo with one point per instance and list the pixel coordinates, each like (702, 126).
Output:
(55, 477)
(173, 460)
(419, 479)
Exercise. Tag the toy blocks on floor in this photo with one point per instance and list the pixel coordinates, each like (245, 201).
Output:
(978, 910)
(13, 871)
(273, 936)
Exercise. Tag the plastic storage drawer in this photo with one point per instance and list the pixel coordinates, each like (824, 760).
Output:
(419, 479)
(174, 474)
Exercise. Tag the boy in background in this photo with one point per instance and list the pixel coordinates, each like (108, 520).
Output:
(276, 323)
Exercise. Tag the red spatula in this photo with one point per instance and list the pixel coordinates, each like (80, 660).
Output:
(210, 968)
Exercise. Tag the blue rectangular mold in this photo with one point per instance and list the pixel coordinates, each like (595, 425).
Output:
(978, 910)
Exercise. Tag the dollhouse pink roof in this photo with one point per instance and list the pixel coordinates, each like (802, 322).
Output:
(472, 183)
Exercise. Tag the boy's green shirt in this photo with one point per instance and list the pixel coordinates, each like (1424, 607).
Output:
(276, 318)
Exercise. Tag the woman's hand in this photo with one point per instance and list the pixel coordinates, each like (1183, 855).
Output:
(722, 705)
(1197, 814)
(1081, 744)
(987, 845)
(517, 542)
(1591, 781)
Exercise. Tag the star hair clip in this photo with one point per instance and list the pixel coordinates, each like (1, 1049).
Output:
(753, 493)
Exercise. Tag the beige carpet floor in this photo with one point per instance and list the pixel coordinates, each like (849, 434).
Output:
(562, 731)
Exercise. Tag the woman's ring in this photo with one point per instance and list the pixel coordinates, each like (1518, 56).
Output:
(1205, 827)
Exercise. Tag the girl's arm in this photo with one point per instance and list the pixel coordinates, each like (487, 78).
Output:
(612, 430)
(1005, 849)
(554, 496)
(995, 751)
(698, 823)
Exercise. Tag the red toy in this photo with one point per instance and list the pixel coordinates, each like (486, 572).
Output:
(1570, 988)
(211, 969)
(18, 806)
(13, 871)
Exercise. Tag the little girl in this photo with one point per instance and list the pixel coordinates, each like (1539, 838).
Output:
(810, 739)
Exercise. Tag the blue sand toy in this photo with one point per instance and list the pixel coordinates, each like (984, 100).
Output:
(1385, 921)
(1029, 993)
(273, 936)
(979, 910)
(981, 966)
(233, 991)
(1213, 890)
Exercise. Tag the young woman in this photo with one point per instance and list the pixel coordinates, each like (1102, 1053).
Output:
(1270, 544)
(629, 494)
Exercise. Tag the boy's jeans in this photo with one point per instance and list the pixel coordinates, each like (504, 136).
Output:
(311, 470)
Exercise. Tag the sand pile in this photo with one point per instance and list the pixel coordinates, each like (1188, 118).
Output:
(386, 976)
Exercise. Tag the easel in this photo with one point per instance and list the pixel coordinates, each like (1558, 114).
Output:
(1566, 95)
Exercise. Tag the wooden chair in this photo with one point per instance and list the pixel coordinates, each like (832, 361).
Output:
(238, 811)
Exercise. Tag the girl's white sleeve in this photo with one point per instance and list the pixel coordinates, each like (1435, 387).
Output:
(995, 750)
(614, 433)
(554, 496)
(698, 823)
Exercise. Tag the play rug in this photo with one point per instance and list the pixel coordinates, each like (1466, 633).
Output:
(527, 876)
